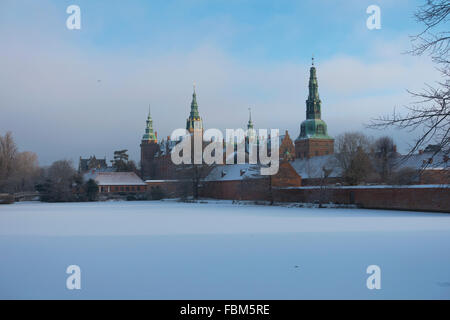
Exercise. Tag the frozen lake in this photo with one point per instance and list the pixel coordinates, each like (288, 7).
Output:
(170, 250)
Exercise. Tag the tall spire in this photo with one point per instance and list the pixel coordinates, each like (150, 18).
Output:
(194, 106)
(250, 123)
(313, 104)
(149, 135)
(313, 127)
(194, 121)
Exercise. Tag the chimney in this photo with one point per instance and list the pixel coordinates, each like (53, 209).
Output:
(420, 151)
(168, 138)
(395, 148)
(156, 134)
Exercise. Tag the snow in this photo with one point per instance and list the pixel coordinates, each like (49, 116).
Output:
(115, 178)
(413, 186)
(220, 250)
(420, 161)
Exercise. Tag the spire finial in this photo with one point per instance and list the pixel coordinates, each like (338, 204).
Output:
(312, 59)
(250, 114)
(194, 86)
(149, 110)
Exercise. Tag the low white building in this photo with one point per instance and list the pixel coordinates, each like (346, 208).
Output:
(112, 182)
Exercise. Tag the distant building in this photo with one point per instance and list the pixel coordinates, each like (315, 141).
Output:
(117, 182)
(92, 163)
(149, 148)
(156, 161)
(313, 139)
(287, 148)
(194, 122)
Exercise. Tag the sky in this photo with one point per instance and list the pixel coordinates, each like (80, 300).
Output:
(240, 54)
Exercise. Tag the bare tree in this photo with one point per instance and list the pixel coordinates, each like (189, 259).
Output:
(434, 39)
(8, 152)
(352, 155)
(25, 173)
(18, 170)
(384, 155)
(324, 190)
(429, 111)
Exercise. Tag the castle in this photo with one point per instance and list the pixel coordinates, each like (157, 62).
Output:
(312, 141)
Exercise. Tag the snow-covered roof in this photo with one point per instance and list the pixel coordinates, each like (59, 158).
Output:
(313, 167)
(116, 179)
(234, 172)
(422, 161)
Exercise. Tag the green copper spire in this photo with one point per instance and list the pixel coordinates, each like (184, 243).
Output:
(250, 123)
(313, 127)
(149, 133)
(194, 106)
(194, 121)
(313, 104)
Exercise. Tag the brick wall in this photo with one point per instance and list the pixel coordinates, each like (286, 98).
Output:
(171, 188)
(246, 189)
(390, 198)
(286, 176)
(400, 198)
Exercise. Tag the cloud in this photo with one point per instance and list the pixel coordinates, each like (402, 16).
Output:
(53, 102)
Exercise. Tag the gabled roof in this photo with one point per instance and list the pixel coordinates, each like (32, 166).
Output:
(115, 178)
(313, 167)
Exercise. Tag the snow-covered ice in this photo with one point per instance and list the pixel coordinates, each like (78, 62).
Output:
(220, 250)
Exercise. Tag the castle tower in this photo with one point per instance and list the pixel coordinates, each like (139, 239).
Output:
(251, 132)
(149, 148)
(313, 139)
(194, 122)
(149, 135)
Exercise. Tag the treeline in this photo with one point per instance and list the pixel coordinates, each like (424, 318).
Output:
(19, 171)
(363, 159)
(60, 182)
